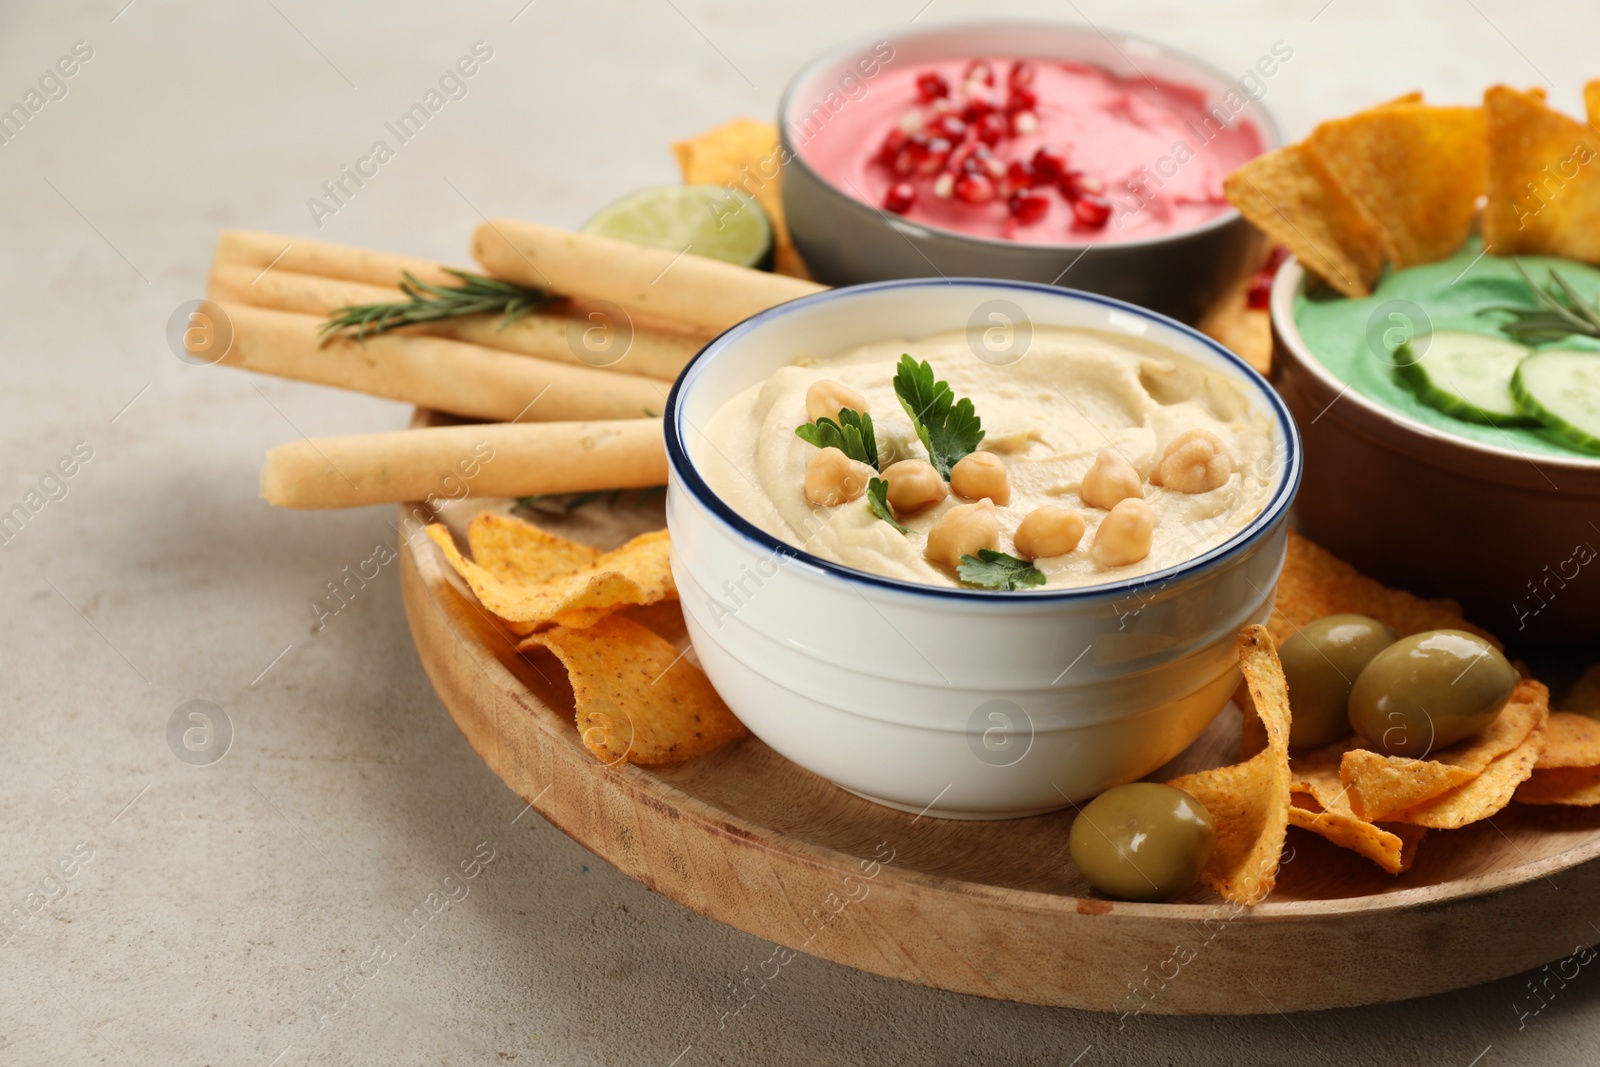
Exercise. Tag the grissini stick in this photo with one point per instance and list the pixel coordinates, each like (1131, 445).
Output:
(555, 333)
(434, 372)
(675, 285)
(490, 459)
(273, 251)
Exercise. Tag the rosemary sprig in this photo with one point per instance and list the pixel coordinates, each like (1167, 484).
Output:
(425, 302)
(1561, 312)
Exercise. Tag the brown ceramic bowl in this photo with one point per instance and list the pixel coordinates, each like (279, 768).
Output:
(1514, 537)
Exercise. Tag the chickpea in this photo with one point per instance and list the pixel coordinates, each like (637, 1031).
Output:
(1110, 480)
(1048, 531)
(913, 485)
(833, 478)
(825, 399)
(1195, 462)
(981, 474)
(961, 531)
(1124, 535)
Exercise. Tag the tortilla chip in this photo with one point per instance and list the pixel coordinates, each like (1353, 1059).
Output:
(1320, 804)
(1575, 786)
(1484, 795)
(1315, 584)
(1417, 169)
(1570, 741)
(1237, 326)
(1544, 178)
(517, 551)
(1249, 801)
(544, 586)
(638, 699)
(1585, 696)
(744, 154)
(1381, 787)
(1290, 195)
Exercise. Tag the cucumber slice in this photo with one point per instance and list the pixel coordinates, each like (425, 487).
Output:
(708, 220)
(1562, 387)
(1466, 375)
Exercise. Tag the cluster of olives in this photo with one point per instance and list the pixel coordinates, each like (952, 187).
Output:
(1407, 697)
(1346, 673)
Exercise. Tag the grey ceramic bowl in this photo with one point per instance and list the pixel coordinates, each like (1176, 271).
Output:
(846, 242)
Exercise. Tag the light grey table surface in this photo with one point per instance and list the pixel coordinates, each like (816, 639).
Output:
(217, 903)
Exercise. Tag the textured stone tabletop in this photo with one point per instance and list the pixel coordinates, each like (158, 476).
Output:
(212, 909)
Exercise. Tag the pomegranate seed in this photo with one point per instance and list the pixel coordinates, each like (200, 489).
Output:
(1021, 74)
(1022, 100)
(1019, 174)
(964, 152)
(1029, 208)
(979, 71)
(1275, 259)
(944, 185)
(952, 127)
(991, 165)
(979, 104)
(1091, 211)
(974, 189)
(938, 150)
(992, 128)
(1075, 183)
(1024, 123)
(913, 155)
(931, 85)
(893, 141)
(1259, 295)
(1049, 164)
(900, 197)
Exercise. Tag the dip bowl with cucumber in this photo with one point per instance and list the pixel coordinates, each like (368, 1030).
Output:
(1452, 432)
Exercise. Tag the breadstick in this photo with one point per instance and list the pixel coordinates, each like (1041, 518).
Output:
(548, 334)
(674, 285)
(436, 373)
(306, 256)
(494, 459)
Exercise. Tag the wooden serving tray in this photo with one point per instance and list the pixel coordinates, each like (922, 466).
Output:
(996, 908)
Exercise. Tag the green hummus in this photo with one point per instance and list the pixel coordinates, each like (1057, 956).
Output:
(1451, 293)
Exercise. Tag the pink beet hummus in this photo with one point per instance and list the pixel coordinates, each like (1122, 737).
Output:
(1037, 151)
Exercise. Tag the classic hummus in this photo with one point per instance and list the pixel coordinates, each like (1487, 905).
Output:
(1074, 395)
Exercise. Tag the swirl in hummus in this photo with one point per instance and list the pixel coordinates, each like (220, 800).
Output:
(1076, 395)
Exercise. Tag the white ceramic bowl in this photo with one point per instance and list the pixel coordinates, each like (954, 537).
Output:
(960, 703)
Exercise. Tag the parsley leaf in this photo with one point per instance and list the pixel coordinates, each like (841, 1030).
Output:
(851, 434)
(949, 429)
(996, 570)
(878, 503)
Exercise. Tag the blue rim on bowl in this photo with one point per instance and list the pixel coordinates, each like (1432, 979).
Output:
(682, 467)
(1271, 133)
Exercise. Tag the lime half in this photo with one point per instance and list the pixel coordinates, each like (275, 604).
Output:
(708, 220)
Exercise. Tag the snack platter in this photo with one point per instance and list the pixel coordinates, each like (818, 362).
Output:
(1014, 639)
(993, 908)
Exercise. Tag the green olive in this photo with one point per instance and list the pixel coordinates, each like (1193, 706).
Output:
(1142, 841)
(1321, 663)
(1430, 690)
